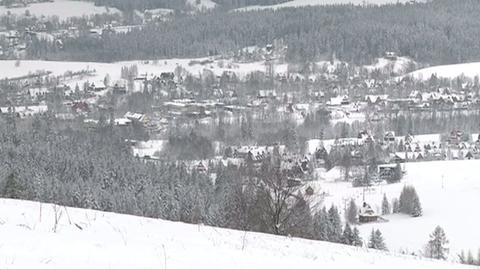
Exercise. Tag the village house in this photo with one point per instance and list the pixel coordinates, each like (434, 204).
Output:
(390, 55)
(406, 156)
(97, 86)
(386, 171)
(378, 100)
(38, 93)
(120, 86)
(137, 117)
(267, 94)
(339, 101)
(367, 214)
(389, 137)
(80, 107)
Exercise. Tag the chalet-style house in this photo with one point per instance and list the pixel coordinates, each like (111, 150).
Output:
(367, 214)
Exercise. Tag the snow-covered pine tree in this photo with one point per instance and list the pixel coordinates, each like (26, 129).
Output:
(470, 259)
(320, 224)
(334, 228)
(409, 203)
(376, 240)
(436, 246)
(397, 173)
(351, 213)
(12, 189)
(385, 205)
(347, 236)
(395, 206)
(356, 239)
(417, 207)
(372, 239)
(461, 258)
(300, 222)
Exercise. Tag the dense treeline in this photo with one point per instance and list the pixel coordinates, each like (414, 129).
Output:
(129, 5)
(241, 3)
(437, 32)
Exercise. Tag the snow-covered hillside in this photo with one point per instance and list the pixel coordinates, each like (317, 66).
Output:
(303, 3)
(93, 239)
(202, 4)
(448, 191)
(448, 71)
(62, 8)
(399, 66)
(193, 66)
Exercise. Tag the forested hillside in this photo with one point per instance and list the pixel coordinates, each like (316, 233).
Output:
(129, 5)
(438, 32)
(242, 3)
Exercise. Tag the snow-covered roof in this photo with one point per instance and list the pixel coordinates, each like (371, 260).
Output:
(134, 116)
(122, 121)
(336, 101)
(366, 210)
(375, 98)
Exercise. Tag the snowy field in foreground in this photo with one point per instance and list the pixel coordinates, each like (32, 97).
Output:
(62, 8)
(303, 3)
(449, 192)
(448, 71)
(93, 239)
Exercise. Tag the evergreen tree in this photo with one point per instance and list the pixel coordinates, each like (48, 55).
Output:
(470, 260)
(385, 205)
(409, 203)
(13, 189)
(436, 247)
(478, 258)
(351, 213)
(397, 174)
(347, 236)
(376, 240)
(334, 228)
(320, 224)
(356, 239)
(417, 207)
(395, 206)
(300, 223)
(461, 258)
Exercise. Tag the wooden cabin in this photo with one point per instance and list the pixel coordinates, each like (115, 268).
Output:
(367, 214)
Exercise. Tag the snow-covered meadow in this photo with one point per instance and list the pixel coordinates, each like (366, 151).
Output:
(303, 3)
(35, 235)
(62, 8)
(194, 66)
(449, 192)
(201, 4)
(451, 71)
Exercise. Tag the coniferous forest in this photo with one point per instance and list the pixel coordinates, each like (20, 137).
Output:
(432, 32)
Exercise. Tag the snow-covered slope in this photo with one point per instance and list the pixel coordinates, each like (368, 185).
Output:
(448, 71)
(62, 8)
(448, 190)
(202, 4)
(303, 3)
(94, 240)
(194, 66)
(397, 67)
